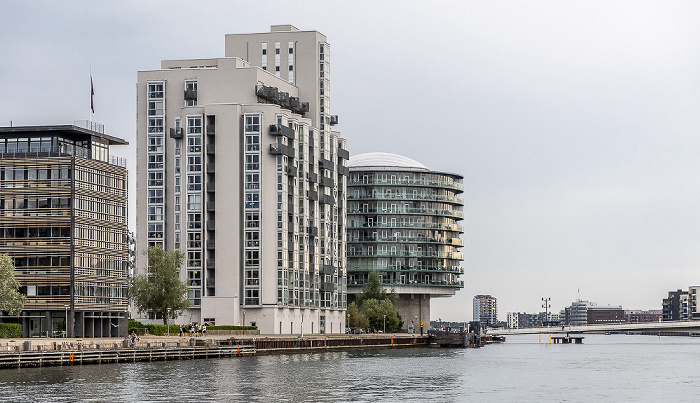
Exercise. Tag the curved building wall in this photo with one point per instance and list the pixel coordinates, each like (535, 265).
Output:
(404, 223)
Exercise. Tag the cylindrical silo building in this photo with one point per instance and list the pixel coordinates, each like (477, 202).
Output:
(402, 220)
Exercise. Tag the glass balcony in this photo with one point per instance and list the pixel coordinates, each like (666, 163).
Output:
(409, 182)
(404, 196)
(410, 210)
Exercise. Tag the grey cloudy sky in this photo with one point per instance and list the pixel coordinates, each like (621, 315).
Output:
(574, 123)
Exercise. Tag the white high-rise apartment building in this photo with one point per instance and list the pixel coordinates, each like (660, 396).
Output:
(238, 167)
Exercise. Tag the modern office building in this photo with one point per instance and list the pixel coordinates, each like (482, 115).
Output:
(485, 309)
(239, 168)
(402, 222)
(589, 313)
(63, 219)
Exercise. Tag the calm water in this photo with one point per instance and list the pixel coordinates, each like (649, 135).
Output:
(604, 368)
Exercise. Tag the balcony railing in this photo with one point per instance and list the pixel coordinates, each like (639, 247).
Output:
(404, 196)
(59, 152)
(405, 239)
(446, 227)
(409, 182)
(407, 254)
(410, 210)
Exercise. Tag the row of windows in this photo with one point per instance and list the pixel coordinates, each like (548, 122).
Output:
(24, 173)
(96, 233)
(43, 261)
(103, 206)
(33, 203)
(104, 179)
(43, 290)
(35, 232)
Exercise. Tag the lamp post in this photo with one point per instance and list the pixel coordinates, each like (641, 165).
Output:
(384, 323)
(66, 334)
(167, 320)
(244, 318)
(546, 305)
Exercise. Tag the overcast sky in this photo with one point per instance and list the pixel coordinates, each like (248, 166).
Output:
(574, 124)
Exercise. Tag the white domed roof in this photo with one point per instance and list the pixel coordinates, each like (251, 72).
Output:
(384, 160)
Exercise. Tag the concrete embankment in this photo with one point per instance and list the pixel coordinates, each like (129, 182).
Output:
(19, 353)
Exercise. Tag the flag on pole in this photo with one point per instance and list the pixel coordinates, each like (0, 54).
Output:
(92, 94)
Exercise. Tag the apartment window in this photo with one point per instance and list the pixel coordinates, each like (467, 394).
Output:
(194, 163)
(194, 125)
(155, 90)
(252, 181)
(252, 142)
(194, 202)
(155, 161)
(155, 108)
(190, 93)
(155, 214)
(155, 125)
(155, 179)
(252, 200)
(252, 123)
(155, 196)
(252, 220)
(155, 144)
(252, 162)
(194, 182)
(194, 144)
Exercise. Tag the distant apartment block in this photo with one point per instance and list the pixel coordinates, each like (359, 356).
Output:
(518, 320)
(238, 167)
(681, 305)
(485, 309)
(63, 219)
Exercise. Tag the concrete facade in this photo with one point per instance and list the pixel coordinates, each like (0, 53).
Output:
(238, 167)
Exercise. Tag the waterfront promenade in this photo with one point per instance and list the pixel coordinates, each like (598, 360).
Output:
(17, 353)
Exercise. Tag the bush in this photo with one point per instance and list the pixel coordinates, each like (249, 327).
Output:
(8, 330)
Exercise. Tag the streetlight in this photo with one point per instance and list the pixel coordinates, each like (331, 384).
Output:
(66, 334)
(384, 323)
(244, 318)
(167, 320)
(546, 305)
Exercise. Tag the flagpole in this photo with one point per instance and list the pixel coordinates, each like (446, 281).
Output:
(92, 94)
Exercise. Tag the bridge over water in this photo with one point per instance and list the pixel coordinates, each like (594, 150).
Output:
(691, 327)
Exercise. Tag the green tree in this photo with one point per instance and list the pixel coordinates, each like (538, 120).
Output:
(376, 304)
(160, 290)
(377, 312)
(11, 300)
(372, 289)
(355, 318)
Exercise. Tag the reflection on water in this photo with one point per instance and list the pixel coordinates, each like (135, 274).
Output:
(615, 367)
